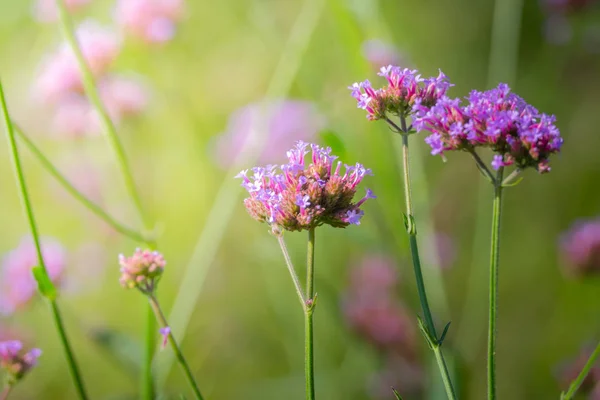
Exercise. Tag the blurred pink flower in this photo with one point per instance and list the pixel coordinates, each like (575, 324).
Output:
(59, 76)
(46, 11)
(580, 247)
(75, 117)
(379, 54)
(123, 97)
(17, 285)
(154, 21)
(373, 310)
(288, 121)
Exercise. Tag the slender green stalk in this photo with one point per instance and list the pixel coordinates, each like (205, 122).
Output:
(414, 249)
(27, 208)
(308, 317)
(72, 190)
(582, 375)
(494, 262)
(6, 392)
(113, 139)
(292, 270)
(184, 365)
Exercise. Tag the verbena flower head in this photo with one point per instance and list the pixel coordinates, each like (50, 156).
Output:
(142, 270)
(14, 362)
(497, 119)
(405, 88)
(305, 194)
(17, 285)
(580, 248)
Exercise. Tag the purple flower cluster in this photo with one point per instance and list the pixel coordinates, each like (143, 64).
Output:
(405, 89)
(300, 196)
(496, 119)
(580, 247)
(14, 362)
(142, 270)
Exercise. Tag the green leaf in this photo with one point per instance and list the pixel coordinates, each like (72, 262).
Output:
(398, 397)
(428, 338)
(444, 333)
(45, 285)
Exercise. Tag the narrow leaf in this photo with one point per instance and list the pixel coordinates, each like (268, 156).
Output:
(398, 397)
(444, 333)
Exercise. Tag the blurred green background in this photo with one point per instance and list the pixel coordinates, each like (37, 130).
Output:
(244, 337)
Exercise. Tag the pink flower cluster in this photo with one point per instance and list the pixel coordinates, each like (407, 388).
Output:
(497, 119)
(304, 196)
(580, 248)
(374, 311)
(14, 362)
(153, 21)
(17, 285)
(405, 90)
(46, 11)
(142, 270)
(60, 87)
(281, 123)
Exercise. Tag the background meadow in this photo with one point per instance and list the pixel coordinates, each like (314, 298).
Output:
(225, 287)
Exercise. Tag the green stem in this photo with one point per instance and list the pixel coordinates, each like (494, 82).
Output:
(184, 365)
(147, 382)
(494, 262)
(6, 392)
(26, 203)
(292, 270)
(582, 375)
(113, 139)
(108, 126)
(308, 317)
(414, 249)
(68, 186)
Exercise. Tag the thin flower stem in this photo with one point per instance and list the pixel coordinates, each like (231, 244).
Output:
(184, 365)
(72, 190)
(308, 320)
(111, 135)
(482, 165)
(493, 301)
(292, 270)
(508, 181)
(582, 375)
(414, 249)
(6, 392)
(27, 208)
(108, 126)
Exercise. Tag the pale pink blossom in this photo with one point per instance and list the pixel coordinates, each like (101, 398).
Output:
(46, 11)
(379, 53)
(75, 117)
(153, 21)
(17, 285)
(278, 125)
(123, 97)
(59, 75)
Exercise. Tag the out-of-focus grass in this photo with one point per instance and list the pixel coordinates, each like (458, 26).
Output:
(246, 331)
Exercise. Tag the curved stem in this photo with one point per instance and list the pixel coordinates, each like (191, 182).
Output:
(182, 361)
(27, 208)
(414, 249)
(117, 147)
(582, 375)
(493, 305)
(110, 132)
(292, 270)
(72, 190)
(308, 320)
(6, 392)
